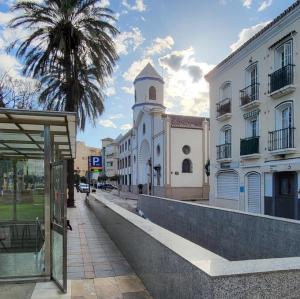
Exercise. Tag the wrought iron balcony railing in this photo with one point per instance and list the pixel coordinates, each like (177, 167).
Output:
(249, 146)
(281, 78)
(224, 151)
(249, 94)
(224, 107)
(281, 139)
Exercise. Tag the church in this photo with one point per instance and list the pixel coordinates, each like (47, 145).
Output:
(168, 152)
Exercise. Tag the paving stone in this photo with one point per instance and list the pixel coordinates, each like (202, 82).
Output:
(129, 284)
(136, 295)
(107, 288)
(104, 273)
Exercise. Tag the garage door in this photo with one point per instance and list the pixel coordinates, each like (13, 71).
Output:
(228, 185)
(254, 193)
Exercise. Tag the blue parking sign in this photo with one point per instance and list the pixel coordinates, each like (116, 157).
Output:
(96, 161)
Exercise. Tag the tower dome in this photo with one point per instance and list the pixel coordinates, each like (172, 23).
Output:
(149, 88)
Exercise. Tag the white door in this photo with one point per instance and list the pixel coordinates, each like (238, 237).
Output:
(253, 195)
(228, 185)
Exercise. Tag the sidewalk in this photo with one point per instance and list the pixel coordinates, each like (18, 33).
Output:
(96, 267)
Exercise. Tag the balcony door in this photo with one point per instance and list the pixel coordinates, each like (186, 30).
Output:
(284, 55)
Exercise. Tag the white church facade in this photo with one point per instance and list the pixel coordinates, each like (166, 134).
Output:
(168, 152)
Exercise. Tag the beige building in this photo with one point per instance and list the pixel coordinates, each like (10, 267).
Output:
(110, 157)
(255, 123)
(82, 153)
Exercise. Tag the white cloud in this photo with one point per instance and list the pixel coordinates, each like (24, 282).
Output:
(107, 123)
(186, 90)
(247, 3)
(265, 4)
(246, 34)
(125, 127)
(138, 5)
(129, 90)
(115, 116)
(135, 69)
(129, 40)
(159, 45)
(104, 3)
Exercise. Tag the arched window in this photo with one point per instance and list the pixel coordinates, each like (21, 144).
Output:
(135, 95)
(144, 128)
(225, 91)
(152, 93)
(187, 166)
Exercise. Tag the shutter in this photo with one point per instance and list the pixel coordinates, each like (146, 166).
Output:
(254, 193)
(228, 185)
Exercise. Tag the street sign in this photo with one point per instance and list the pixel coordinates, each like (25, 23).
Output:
(95, 161)
(95, 164)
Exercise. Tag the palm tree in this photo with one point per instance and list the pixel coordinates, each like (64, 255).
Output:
(71, 48)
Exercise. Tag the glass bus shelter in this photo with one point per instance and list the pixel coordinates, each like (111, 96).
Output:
(34, 147)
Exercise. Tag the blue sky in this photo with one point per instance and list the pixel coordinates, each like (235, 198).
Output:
(183, 39)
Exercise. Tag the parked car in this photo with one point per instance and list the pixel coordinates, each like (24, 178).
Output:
(107, 187)
(84, 188)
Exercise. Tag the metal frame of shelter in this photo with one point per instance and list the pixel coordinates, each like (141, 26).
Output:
(50, 136)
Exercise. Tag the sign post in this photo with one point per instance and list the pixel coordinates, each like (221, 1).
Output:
(95, 166)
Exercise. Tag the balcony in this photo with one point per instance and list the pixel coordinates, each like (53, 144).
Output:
(250, 148)
(282, 142)
(224, 109)
(224, 152)
(281, 82)
(249, 96)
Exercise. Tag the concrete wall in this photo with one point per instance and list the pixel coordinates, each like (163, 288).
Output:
(233, 235)
(172, 267)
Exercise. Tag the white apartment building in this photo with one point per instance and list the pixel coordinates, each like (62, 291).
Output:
(124, 162)
(110, 157)
(255, 122)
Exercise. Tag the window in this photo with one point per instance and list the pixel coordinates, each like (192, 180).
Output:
(144, 128)
(187, 166)
(135, 95)
(158, 150)
(125, 162)
(225, 91)
(126, 146)
(284, 55)
(152, 93)
(128, 143)
(186, 149)
(134, 159)
(252, 127)
(129, 161)
(284, 115)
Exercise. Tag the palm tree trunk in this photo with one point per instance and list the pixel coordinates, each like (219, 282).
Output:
(70, 182)
(70, 106)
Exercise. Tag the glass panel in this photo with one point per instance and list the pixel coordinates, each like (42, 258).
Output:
(21, 217)
(58, 233)
(58, 194)
(57, 257)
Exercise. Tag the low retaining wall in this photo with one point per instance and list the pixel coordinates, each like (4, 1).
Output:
(231, 234)
(172, 267)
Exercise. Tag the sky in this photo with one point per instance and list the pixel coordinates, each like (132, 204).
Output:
(182, 39)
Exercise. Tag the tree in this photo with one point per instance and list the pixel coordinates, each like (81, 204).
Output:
(17, 93)
(71, 50)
